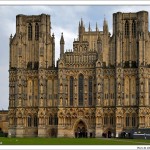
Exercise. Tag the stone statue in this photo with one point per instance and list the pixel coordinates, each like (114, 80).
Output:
(61, 101)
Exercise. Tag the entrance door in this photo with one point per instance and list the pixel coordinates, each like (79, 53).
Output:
(53, 132)
(109, 134)
(81, 130)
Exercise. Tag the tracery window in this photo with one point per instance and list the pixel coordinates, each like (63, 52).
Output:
(126, 28)
(71, 90)
(90, 90)
(111, 119)
(35, 121)
(133, 120)
(36, 31)
(55, 120)
(29, 121)
(81, 89)
(29, 32)
(134, 28)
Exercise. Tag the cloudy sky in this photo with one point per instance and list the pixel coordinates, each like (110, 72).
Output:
(63, 19)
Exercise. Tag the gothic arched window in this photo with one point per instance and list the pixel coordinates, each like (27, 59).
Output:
(90, 90)
(55, 120)
(29, 121)
(36, 31)
(133, 120)
(111, 119)
(50, 120)
(126, 28)
(29, 32)
(35, 121)
(134, 28)
(71, 91)
(80, 89)
(127, 120)
(105, 119)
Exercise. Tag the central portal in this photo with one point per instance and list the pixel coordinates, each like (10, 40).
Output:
(81, 130)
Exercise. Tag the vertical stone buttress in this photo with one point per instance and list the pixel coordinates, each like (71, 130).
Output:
(99, 102)
(117, 30)
(99, 88)
(142, 73)
(47, 59)
(62, 85)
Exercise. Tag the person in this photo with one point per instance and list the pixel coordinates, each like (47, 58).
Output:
(86, 134)
(123, 134)
(102, 134)
(129, 134)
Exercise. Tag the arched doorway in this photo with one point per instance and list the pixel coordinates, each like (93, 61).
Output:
(81, 130)
(108, 133)
(52, 132)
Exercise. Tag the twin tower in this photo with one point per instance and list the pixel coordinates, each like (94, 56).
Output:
(101, 86)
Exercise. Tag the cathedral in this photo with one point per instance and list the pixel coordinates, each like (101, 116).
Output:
(100, 87)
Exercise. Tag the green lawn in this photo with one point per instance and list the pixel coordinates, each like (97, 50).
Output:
(71, 141)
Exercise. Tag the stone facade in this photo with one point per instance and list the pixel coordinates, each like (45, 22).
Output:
(4, 121)
(101, 86)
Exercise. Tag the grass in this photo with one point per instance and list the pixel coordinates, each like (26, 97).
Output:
(71, 141)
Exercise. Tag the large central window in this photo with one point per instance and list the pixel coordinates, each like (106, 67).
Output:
(80, 89)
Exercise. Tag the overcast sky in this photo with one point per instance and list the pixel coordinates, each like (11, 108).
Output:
(63, 19)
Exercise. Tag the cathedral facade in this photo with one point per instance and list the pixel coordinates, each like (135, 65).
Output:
(100, 87)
